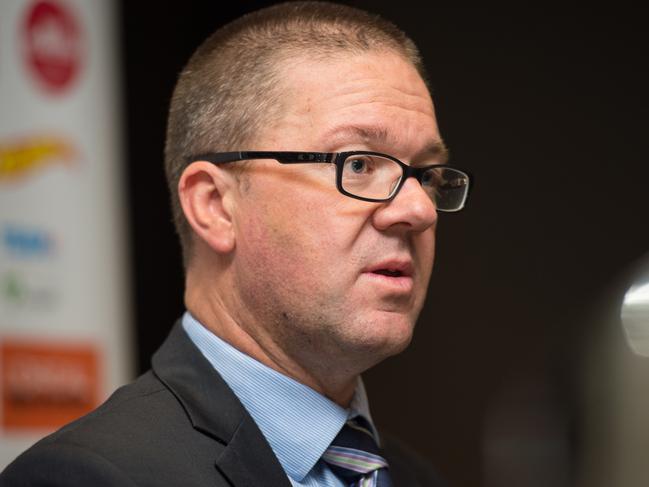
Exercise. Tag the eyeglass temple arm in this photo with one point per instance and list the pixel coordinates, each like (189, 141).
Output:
(283, 157)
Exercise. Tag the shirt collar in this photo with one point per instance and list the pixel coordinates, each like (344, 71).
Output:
(298, 422)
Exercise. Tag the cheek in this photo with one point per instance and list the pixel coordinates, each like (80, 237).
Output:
(300, 240)
(425, 252)
(282, 245)
(428, 249)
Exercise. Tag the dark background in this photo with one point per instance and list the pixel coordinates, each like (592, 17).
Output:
(548, 109)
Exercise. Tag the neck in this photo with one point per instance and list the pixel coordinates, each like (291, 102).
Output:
(214, 312)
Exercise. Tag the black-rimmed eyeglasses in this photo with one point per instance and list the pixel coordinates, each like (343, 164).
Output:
(369, 176)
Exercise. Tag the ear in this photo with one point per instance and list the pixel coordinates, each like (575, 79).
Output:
(205, 193)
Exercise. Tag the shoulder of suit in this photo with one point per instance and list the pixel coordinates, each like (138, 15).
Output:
(140, 433)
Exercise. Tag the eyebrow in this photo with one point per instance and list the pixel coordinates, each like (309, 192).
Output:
(372, 135)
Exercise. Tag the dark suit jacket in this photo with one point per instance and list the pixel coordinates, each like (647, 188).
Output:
(179, 424)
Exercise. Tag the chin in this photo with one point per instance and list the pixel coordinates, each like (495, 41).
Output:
(388, 336)
(398, 346)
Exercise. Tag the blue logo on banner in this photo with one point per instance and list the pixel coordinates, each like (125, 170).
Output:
(27, 242)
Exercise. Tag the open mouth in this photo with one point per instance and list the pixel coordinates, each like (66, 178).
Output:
(388, 272)
(395, 276)
(392, 268)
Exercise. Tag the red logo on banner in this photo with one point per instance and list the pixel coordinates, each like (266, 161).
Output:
(45, 386)
(53, 44)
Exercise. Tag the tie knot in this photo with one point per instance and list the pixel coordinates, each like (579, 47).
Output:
(354, 455)
(356, 434)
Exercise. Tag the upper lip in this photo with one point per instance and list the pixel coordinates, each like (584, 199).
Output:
(403, 266)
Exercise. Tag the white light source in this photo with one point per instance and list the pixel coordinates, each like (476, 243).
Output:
(635, 314)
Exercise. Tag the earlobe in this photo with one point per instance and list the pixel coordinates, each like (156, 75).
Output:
(205, 191)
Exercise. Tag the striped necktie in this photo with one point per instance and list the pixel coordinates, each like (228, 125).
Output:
(354, 456)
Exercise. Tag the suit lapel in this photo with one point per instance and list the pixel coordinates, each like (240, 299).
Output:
(242, 464)
(247, 459)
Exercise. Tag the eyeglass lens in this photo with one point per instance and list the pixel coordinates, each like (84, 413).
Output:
(376, 177)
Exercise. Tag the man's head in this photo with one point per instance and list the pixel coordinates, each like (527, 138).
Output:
(231, 88)
(316, 282)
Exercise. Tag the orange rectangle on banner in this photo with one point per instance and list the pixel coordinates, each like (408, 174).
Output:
(47, 385)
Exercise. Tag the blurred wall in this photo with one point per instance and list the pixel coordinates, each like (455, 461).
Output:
(64, 284)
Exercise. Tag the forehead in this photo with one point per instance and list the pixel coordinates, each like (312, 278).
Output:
(374, 98)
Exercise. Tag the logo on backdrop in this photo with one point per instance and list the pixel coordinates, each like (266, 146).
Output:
(21, 158)
(47, 385)
(53, 44)
(29, 279)
(21, 241)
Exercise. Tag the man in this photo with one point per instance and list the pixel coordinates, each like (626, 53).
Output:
(304, 269)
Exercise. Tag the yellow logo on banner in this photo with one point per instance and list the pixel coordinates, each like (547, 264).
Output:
(19, 159)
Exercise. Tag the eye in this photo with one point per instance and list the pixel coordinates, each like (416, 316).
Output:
(430, 179)
(359, 165)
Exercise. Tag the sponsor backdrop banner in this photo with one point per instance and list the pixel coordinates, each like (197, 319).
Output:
(64, 340)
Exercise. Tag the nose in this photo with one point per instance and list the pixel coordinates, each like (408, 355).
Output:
(411, 208)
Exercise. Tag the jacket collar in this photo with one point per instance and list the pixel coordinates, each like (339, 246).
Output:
(214, 410)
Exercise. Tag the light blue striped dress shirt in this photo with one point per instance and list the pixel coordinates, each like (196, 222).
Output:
(298, 422)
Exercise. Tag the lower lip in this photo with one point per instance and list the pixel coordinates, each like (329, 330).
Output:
(401, 284)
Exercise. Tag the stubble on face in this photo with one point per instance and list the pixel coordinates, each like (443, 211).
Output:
(302, 245)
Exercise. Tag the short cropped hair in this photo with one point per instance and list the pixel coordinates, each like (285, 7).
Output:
(231, 85)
